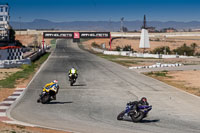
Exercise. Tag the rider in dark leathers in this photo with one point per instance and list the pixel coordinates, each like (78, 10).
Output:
(135, 104)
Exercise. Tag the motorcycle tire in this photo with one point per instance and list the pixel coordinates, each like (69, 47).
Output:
(45, 99)
(120, 116)
(71, 83)
(137, 118)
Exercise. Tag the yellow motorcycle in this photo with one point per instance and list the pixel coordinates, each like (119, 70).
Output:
(47, 94)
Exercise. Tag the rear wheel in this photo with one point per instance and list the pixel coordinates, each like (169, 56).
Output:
(71, 82)
(45, 99)
(137, 117)
(120, 116)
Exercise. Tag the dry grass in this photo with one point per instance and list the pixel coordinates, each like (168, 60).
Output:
(184, 80)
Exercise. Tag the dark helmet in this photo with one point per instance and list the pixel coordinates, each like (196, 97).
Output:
(143, 99)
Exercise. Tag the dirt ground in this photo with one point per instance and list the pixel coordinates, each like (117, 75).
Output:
(187, 80)
(184, 80)
(172, 42)
(6, 72)
(29, 40)
(7, 128)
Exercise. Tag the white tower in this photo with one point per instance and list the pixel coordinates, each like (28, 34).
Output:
(144, 39)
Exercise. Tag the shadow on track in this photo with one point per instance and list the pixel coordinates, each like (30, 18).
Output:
(60, 102)
(143, 121)
(79, 85)
(150, 121)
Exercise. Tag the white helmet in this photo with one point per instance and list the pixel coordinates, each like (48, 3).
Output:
(55, 81)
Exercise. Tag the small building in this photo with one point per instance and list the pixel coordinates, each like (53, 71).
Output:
(4, 22)
(168, 30)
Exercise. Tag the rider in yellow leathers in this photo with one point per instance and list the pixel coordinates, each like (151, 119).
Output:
(52, 85)
(74, 72)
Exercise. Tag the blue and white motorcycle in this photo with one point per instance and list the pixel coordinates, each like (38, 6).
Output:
(136, 116)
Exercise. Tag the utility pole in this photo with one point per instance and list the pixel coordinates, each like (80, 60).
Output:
(122, 24)
(110, 24)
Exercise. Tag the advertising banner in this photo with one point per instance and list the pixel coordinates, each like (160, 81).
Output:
(67, 35)
(94, 34)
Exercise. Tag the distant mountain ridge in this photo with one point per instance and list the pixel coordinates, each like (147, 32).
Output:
(102, 25)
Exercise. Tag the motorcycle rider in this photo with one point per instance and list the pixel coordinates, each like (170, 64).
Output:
(135, 104)
(74, 72)
(51, 85)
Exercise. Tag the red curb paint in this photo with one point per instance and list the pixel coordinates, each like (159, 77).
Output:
(15, 95)
(4, 118)
(2, 110)
(10, 99)
(5, 104)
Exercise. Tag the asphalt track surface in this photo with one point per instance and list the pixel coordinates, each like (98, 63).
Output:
(100, 94)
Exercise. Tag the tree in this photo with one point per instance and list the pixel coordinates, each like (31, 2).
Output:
(127, 48)
(11, 35)
(118, 48)
(184, 50)
(162, 50)
(193, 45)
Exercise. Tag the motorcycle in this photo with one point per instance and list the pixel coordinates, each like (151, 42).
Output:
(72, 79)
(47, 94)
(136, 116)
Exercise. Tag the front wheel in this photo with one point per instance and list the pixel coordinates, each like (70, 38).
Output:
(121, 115)
(137, 117)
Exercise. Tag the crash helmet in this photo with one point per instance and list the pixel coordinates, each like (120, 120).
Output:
(73, 70)
(144, 99)
(55, 81)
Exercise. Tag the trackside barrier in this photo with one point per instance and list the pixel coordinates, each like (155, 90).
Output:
(141, 55)
(13, 63)
(18, 63)
(37, 55)
(157, 65)
(97, 50)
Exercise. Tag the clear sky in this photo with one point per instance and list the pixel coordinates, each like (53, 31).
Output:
(101, 10)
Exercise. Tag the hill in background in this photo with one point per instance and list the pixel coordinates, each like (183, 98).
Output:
(102, 25)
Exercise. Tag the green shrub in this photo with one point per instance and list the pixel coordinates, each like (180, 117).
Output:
(162, 74)
(162, 50)
(118, 48)
(127, 48)
(184, 50)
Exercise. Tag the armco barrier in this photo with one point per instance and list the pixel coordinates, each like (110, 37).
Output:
(157, 65)
(111, 52)
(17, 63)
(141, 55)
(37, 55)
(13, 63)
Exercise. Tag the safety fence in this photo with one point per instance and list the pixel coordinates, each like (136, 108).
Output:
(141, 55)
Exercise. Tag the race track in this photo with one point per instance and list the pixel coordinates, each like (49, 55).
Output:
(100, 94)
